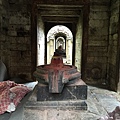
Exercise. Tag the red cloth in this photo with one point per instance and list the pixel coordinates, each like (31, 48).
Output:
(11, 92)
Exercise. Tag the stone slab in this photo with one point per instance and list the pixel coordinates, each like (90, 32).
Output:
(69, 93)
(59, 105)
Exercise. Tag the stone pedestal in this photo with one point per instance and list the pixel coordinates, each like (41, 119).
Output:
(72, 98)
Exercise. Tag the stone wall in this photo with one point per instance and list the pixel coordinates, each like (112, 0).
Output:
(4, 43)
(16, 37)
(19, 32)
(113, 53)
(96, 68)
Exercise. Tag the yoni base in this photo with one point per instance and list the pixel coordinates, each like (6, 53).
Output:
(41, 101)
(70, 92)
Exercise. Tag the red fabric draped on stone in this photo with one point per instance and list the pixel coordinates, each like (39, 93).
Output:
(11, 92)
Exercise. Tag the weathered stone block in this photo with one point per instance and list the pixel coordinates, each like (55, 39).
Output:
(101, 8)
(97, 59)
(97, 48)
(115, 37)
(12, 1)
(98, 43)
(98, 23)
(78, 92)
(27, 27)
(98, 15)
(12, 33)
(2, 38)
(0, 2)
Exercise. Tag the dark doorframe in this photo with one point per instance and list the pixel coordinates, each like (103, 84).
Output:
(118, 58)
(33, 38)
(85, 37)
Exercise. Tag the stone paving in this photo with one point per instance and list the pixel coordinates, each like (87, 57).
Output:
(100, 102)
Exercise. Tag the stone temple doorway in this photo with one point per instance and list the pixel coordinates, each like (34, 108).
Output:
(57, 36)
(51, 33)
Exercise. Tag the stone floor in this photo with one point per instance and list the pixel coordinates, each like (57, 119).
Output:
(100, 102)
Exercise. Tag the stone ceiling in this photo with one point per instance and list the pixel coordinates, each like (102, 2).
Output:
(59, 13)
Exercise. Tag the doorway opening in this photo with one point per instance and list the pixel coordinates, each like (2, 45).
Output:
(60, 36)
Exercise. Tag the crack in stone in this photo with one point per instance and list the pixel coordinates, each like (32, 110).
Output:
(71, 93)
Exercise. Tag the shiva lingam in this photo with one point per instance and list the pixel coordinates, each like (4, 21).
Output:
(59, 89)
(56, 74)
(57, 81)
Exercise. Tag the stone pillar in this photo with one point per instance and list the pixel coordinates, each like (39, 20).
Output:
(50, 50)
(69, 51)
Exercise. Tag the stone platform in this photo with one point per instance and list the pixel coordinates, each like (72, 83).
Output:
(75, 91)
(72, 98)
(99, 103)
